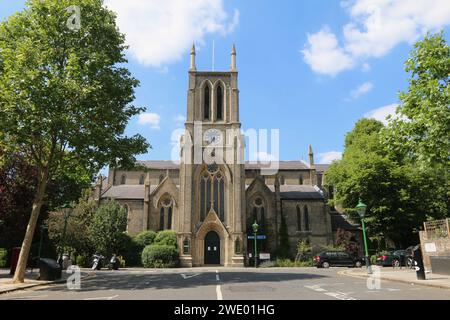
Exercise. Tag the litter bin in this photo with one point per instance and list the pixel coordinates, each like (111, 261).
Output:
(49, 269)
(15, 252)
(418, 262)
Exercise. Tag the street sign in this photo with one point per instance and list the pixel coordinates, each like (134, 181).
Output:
(258, 237)
(264, 256)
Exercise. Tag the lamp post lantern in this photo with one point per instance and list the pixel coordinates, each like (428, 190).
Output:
(255, 227)
(361, 209)
(67, 210)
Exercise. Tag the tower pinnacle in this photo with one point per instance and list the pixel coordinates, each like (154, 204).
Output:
(233, 58)
(193, 67)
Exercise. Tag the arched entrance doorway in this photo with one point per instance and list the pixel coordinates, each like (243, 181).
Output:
(212, 248)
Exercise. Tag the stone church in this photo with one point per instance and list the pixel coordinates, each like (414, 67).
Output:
(212, 197)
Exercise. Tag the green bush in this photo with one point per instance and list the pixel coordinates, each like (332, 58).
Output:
(128, 249)
(287, 263)
(166, 237)
(80, 261)
(3, 257)
(145, 238)
(159, 256)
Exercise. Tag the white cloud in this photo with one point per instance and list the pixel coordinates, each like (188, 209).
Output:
(380, 114)
(375, 28)
(323, 54)
(153, 119)
(329, 157)
(180, 119)
(160, 32)
(263, 157)
(361, 90)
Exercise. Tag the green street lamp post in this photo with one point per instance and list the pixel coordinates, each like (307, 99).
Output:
(42, 228)
(255, 227)
(361, 209)
(67, 210)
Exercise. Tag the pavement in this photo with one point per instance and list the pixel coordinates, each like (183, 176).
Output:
(404, 276)
(31, 280)
(219, 283)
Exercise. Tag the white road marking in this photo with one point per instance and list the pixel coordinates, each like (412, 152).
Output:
(219, 292)
(339, 296)
(217, 275)
(391, 289)
(102, 298)
(187, 276)
(316, 288)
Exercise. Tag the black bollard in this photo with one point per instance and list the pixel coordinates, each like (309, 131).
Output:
(418, 262)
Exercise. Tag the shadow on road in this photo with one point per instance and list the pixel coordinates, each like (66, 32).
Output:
(118, 281)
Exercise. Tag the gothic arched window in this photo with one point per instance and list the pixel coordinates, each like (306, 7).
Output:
(306, 218)
(141, 179)
(161, 219)
(206, 104)
(299, 219)
(212, 193)
(219, 103)
(123, 179)
(258, 215)
(127, 211)
(169, 219)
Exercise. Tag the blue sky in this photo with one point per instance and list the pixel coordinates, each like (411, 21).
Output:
(309, 68)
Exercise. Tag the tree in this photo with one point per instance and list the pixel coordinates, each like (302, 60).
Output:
(368, 171)
(398, 193)
(108, 225)
(64, 89)
(17, 187)
(421, 130)
(284, 247)
(77, 225)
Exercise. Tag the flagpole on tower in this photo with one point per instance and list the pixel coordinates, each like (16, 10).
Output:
(213, 55)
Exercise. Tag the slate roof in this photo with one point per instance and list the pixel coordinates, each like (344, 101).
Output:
(164, 165)
(294, 192)
(126, 192)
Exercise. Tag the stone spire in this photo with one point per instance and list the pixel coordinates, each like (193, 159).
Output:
(233, 58)
(311, 157)
(193, 67)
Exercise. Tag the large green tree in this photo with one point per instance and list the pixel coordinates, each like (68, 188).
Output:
(108, 225)
(65, 93)
(421, 131)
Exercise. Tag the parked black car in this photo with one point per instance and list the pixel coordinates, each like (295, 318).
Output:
(328, 259)
(395, 258)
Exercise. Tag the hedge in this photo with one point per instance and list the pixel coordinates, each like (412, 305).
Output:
(166, 237)
(145, 238)
(3, 257)
(160, 256)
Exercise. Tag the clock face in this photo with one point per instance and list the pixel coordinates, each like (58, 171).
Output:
(213, 136)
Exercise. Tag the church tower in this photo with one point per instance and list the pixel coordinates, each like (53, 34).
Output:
(212, 175)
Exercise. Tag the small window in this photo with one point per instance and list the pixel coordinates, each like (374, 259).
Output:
(123, 179)
(300, 180)
(299, 219)
(141, 179)
(161, 178)
(186, 246)
(237, 246)
(282, 180)
(306, 218)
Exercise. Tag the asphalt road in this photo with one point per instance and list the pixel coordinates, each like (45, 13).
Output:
(228, 284)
